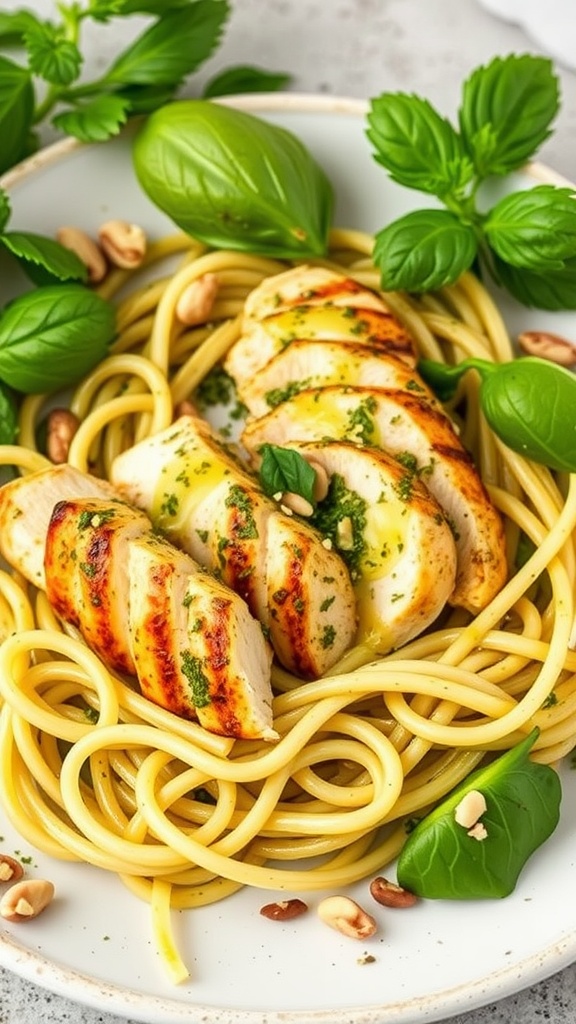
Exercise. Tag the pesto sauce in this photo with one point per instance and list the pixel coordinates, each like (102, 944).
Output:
(339, 504)
(199, 682)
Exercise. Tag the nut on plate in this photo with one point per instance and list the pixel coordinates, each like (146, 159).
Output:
(195, 303)
(347, 917)
(123, 243)
(11, 869)
(61, 426)
(549, 346)
(389, 894)
(284, 910)
(86, 249)
(26, 899)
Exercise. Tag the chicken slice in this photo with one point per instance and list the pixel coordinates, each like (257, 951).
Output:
(262, 339)
(86, 567)
(311, 286)
(315, 364)
(194, 645)
(393, 535)
(207, 503)
(423, 439)
(26, 505)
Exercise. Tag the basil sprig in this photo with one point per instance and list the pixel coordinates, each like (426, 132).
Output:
(440, 860)
(181, 36)
(527, 241)
(233, 180)
(283, 470)
(529, 402)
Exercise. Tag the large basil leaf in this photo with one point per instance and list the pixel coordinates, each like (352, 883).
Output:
(233, 180)
(442, 861)
(51, 337)
(16, 111)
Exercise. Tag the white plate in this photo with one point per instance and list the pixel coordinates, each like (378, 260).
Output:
(434, 961)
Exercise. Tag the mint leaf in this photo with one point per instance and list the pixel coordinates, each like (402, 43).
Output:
(244, 78)
(283, 470)
(553, 290)
(507, 109)
(172, 47)
(96, 120)
(50, 55)
(423, 251)
(49, 255)
(16, 112)
(419, 148)
(5, 209)
(535, 229)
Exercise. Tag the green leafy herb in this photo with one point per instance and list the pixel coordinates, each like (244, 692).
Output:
(234, 180)
(52, 336)
(283, 470)
(440, 860)
(511, 400)
(339, 506)
(8, 416)
(181, 35)
(506, 112)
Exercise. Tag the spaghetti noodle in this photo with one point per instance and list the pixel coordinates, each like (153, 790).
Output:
(92, 771)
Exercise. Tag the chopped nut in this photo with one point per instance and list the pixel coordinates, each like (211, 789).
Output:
(284, 910)
(470, 809)
(185, 408)
(196, 301)
(548, 346)
(124, 244)
(11, 870)
(321, 482)
(366, 958)
(296, 503)
(345, 534)
(347, 917)
(26, 899)
(86, 249)
(478, 831)
(61, 425)
(388, 894)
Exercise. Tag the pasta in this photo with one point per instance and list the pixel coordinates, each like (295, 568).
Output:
(91, 771)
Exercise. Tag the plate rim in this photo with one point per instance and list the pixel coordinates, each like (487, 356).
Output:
(32, 966)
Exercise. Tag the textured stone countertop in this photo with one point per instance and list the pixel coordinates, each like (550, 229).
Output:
(352, 48)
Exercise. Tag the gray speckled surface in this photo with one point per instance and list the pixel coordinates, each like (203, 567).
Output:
(356, 48)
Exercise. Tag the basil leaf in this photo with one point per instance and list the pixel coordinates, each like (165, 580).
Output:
(50, 55)
(506, 112)
(244, 78)
(553, 290)
(8, 417)
(51, 337)
(145, 6)
(441, 861)
(13, 25)
(5, 209)
(172, 47)
(58, 262)
(96, 120)
(543, 431)
(424, 250)
(442, 378)
(233, 180)
(535, 229)
(143, 99)
(16, 112)
(419, 148)
(284, 470)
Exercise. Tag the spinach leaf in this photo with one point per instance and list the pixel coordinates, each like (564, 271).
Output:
(233, 180)
(51, 337)
(511, 400)
(442, 861)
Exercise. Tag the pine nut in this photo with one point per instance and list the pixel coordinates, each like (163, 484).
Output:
(86, 249)
(124, 244)
(347, 917)
(26, 899)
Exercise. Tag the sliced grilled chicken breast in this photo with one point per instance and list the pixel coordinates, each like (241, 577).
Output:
(311, 286)
(143, 606)
(26, 505)
(406, 426)
(394, 536)
(314, 364)
(193, 643)
(86, 566)
(207, 503)
(262, 339)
